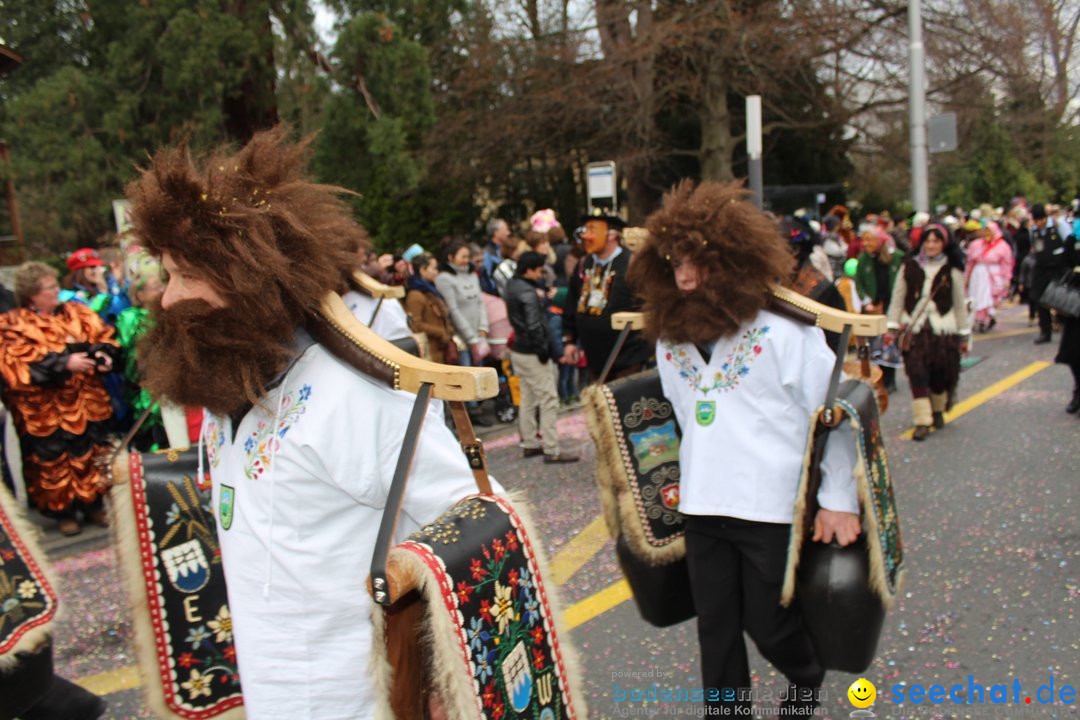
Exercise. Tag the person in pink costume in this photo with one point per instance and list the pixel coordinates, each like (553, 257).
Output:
(988, 274)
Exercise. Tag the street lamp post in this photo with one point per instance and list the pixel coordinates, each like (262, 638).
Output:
(753, 148)
(920, 192)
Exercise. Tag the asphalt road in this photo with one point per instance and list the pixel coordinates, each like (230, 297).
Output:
(988, 509)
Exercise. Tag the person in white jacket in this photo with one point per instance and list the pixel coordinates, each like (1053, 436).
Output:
(743, 382)
(301, 446)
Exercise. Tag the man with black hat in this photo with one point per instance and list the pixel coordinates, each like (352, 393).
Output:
(1051, 260)
(596, 291)
(531, 353)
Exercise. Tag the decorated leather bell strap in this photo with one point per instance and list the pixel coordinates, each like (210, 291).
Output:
(471, 445)
(492, 622)
(28, 602)
(166, 528)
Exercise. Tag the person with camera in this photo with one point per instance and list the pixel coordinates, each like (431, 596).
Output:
(927, 318)
(52, 357)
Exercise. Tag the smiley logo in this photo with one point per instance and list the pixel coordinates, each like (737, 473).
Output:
(862, 693)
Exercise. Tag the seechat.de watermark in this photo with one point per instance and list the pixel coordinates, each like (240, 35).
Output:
(972, 695)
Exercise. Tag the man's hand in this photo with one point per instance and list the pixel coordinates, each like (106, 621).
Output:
(79, 362)
(888, 339)
(964, 348)
(570, 354)
(844, 526)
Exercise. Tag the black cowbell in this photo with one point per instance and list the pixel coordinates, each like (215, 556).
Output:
(843, 614)
(662, 592)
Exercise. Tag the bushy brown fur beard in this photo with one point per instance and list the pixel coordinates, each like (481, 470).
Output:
(700, 317)
(217, 358)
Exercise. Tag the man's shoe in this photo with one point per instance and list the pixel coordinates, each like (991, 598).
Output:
(939, 420)
(532, 452)
(1042, 339)
(921, 431)
(560, 458)
(1074, 404)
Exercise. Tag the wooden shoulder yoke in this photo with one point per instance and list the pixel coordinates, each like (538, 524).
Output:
(364, 283)
(334, 327)
(801, 308)
(795, 306)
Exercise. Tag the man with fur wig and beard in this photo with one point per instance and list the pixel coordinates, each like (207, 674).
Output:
(301, 447)
(743, 382)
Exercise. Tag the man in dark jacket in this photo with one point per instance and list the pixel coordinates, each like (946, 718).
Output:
(531, 356)
(596, 292)
(1051, 256)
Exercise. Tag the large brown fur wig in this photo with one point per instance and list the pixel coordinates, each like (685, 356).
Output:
(720, 231)
(271, 242)
(251, 222)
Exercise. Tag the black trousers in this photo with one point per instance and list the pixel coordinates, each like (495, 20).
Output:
(736, 573)
(1046, 326)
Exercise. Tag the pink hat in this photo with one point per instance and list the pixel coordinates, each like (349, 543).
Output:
(543, 220)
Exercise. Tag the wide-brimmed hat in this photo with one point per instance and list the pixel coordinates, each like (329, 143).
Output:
(614, 222)
(84, 257)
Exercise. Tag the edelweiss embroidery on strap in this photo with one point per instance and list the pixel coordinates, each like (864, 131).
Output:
(735, 366)
(260, 443)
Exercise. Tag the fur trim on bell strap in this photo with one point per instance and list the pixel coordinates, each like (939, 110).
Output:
(125, 534)
(445, 641)
(878, 580)
(600, 422)
(618, 493)
(36, 635)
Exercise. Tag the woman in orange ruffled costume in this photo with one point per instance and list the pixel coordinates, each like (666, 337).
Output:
(51, 357)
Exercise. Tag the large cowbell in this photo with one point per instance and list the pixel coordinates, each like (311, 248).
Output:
(845, 591)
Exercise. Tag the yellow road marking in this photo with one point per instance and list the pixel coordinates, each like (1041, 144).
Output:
(596, 604)
(578, 551)
(995, 335)
(106, 683)
(966, 406)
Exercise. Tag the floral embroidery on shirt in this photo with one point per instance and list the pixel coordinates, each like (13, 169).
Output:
(735, 366)
(214, 440)
(264, 440)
